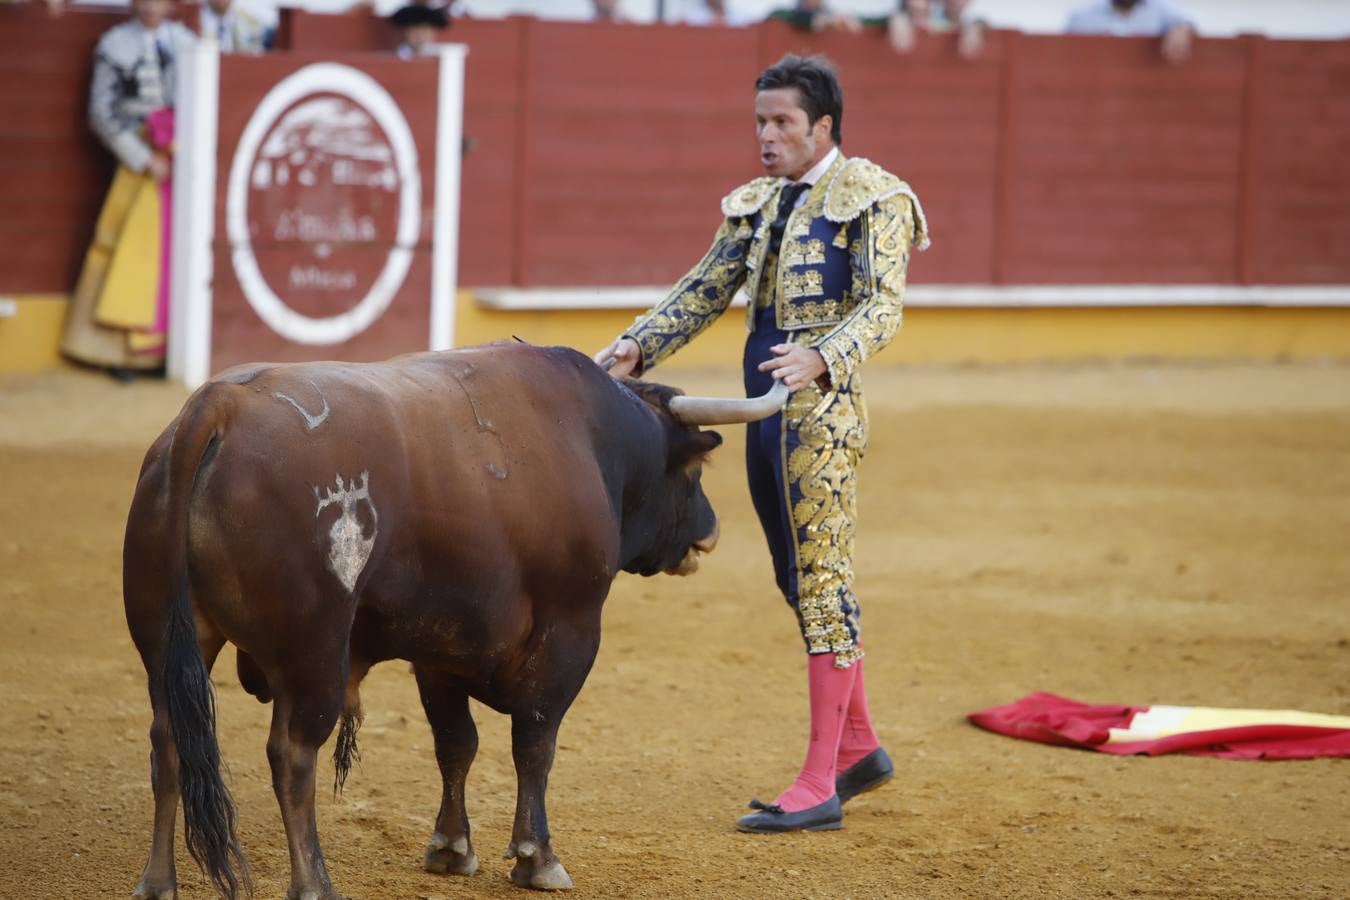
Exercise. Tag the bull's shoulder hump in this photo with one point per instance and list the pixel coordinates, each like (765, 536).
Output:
(749, 198)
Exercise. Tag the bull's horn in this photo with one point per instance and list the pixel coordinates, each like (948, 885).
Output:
(725, 411)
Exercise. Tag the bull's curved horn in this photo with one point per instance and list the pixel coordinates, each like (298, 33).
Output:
(726, 411)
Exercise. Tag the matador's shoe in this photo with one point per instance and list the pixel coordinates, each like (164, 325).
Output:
(867, 774)
(771, 819)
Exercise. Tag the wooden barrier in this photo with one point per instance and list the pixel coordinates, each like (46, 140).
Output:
(597, 153)
(1295, 226)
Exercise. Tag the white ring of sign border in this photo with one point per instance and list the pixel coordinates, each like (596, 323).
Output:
(326, 78)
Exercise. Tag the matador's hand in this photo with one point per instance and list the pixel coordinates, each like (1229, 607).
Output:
(625, 356)
(794, 365)
(159, 167)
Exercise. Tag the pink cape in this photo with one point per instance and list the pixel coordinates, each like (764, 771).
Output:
(159, 126)
(1051, 719)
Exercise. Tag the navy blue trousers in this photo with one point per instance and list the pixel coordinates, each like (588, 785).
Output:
(764, 457)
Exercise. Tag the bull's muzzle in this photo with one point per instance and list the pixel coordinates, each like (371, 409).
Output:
(689, 565)
(707, 544)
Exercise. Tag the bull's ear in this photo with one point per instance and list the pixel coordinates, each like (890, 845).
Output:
(708, 441)
(695, 446)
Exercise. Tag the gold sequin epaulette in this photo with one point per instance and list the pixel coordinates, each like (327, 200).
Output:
(858, 184)
(748, 199)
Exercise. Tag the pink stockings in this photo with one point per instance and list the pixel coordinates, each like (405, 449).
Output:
(859, 738)
(841, 731)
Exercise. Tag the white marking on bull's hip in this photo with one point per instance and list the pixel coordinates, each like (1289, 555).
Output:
(311, 422)
(349, 549)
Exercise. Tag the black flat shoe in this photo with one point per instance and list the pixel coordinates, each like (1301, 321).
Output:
(867, 774)
(827, 816)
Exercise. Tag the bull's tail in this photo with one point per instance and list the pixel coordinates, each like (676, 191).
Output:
(184, 681)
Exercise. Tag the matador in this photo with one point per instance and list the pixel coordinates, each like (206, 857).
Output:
(819, 247)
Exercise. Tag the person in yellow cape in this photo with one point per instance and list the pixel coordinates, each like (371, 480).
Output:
(119, 313)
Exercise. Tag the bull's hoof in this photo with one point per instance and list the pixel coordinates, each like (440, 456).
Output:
(538, 870)
(551, 878)
(148, 890)
(446, 857)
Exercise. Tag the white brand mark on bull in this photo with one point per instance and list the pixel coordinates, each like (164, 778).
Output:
(350, 548)
(311, 422)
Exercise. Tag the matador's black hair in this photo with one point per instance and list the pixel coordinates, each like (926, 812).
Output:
(816, 84)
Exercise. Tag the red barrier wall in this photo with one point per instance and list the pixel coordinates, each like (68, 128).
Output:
(598, 153)
(1296, 226)
(1119, 168)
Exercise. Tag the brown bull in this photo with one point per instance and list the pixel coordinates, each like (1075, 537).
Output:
(465, 511)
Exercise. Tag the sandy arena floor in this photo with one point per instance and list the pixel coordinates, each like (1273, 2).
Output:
(1118, 534)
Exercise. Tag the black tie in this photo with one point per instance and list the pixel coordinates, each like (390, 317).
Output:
(787, 201)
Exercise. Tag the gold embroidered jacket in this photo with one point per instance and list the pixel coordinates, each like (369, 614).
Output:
(840, 273)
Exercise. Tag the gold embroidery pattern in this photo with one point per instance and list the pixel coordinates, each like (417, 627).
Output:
(802, 284)
(831, 435)
(812, 314)
(696, 300)
(859, 184)
(879, 261)
(803, 253)
(748, 199)
(763, 286)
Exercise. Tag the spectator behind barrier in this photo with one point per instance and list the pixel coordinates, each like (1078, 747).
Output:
(118, 315)
(914, 17)
(813, 15)
(234, 30)
(419, 28)
(710, 12)
(1137, 18)
(608, 11)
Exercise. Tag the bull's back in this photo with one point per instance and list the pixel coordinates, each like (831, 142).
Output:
(473, 469)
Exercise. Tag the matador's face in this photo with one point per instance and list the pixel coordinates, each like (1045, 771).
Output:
(789, 144)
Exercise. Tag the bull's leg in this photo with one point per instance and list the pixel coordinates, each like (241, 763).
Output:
(456, 736)
(532, 746)
(304, 713)
(159, 880)
(562, 666)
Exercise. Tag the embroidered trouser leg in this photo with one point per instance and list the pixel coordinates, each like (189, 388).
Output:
(800, 466)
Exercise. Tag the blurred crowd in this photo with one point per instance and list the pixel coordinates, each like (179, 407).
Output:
(910, 20)
(420, 22)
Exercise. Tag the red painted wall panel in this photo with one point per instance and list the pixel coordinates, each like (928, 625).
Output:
(1299, 147)
(1121, 168)
(632, 136)
(360, 30)
(492, 80)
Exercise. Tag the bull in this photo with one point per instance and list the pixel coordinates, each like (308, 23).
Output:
(466, 511)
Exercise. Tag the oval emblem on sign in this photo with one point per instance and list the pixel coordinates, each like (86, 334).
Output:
(323, 206)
